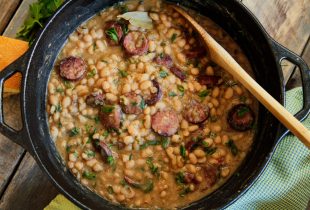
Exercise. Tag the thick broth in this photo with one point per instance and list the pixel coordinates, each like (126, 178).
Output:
(190, 155)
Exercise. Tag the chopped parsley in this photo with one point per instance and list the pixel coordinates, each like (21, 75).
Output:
(68, 84)
(110, 190)
(122, 73)
(90, 153)
(142, 104)
(107, 108)
(96, 118)
(182, 151)
(110, 160)
(112, 34)
(89, 175)
(210, 150)
(179, 178)
(130, 156)
(165, 142)
(59, 90)
(232, 146)
(173, 37)
(185, 190)
(172, 94)
(68, 148)
(203, 93)
(242, 111)
(181, 89)
(92, 73)
(74, 132)
(153, 168)
(243, 99)
(163, 74)
(58, 108)
(122, 8)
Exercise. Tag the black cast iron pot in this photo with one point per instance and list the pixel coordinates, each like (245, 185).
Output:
(35, 65)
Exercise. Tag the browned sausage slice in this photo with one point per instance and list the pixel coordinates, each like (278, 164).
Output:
(195, 53)
(164, 60)
(72, 68)
(178, 73)
(241, 117)
(111, 116)
(165, 123)
(211, 175)
(195, 112)
(95, 99)
(209, 81)
(155, 96)
(136, 43)
(114, 32)
(130, 103)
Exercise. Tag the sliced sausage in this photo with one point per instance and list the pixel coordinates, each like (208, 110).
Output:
(130, 103)
(178, 73)
(211, 175)
(195, 112)
(165, 123)
(164, 60)
(197, 52)
(155, 96)
(189, 177)
(136, 43)
(72, 68)
(209, 81)
(111, 119)
(241, 117)
(113, 26)
(194, 140)
(95, 99)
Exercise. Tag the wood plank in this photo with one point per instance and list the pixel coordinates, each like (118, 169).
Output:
(7, 10)
(287, 21)
(11, 153)
(18, 19)
(29, 189)
(295, 79)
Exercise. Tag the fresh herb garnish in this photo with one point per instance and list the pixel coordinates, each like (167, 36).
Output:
(163, 74)
(181, 89)
(172, 94)
(184, 191)
(68, 84)
(107, 108)
(110, 190)
(232, 146)
(110, 160)
(112, 34)
(58, 108)
(210, 150)
(89, 175)
(68, 148)
(74, 132)
(182, 151)
(59, 90)
(153, 168)
(92, 73)
(123, 73)
(130, 156)
(165, 142)
(142, 104)
(39, 13)
(242, 111)
(203, 93)
(173, 37)
(90, 153)
(179, 178)
(161, 55)
(96, 118)
(122, 8)
(212, 135)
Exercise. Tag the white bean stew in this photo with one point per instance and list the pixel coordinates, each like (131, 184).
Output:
(139, 112)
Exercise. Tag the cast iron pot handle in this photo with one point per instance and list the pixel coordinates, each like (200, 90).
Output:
(283, 53)
(18, 136)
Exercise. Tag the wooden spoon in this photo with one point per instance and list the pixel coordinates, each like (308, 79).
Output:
(226, 61)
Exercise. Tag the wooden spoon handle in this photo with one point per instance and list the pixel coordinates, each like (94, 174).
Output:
(225, 60)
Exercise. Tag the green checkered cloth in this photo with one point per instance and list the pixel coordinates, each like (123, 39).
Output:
(285, 183)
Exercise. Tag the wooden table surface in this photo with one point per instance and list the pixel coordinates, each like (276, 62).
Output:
(22, 183)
